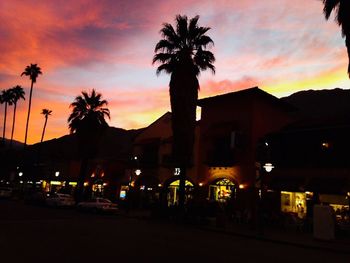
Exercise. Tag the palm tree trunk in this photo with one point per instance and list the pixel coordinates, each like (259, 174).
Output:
(183, 100)
(30, 104)
(42, 135)
(79, 192)
(347, 42)
(182, 186)
(39, 151)
(13, 122)
(4, 128)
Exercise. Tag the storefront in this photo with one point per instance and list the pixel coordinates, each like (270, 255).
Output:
(222, 190)
(295, 202)
(173, 192)
(58, 186)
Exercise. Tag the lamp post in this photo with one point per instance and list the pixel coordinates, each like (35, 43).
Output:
(260, 185)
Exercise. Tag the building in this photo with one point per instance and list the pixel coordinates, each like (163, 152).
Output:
(232, 126)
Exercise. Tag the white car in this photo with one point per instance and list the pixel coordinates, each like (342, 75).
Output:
(98, 205)
(57, 199)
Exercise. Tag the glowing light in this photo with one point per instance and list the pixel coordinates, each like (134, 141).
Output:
(137, 172)
(325, 145)
(20, 174)
(73, 183)
(57, 173)
(268, 167)
(92, 175)
(159, 185)
(104, 184)
(86, 183)
(177, 171)
(56, 183)
(135, 157)
(200, 184)
(241, 186)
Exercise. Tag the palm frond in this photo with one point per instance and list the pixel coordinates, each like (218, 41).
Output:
(329, 6)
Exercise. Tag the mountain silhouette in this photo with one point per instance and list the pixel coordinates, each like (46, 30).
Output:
(325, 104)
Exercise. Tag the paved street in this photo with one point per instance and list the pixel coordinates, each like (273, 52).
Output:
(40, 234)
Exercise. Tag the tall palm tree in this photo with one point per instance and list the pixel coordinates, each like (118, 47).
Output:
(342, 17)
(46, 113)
(33, 71)
(88, 121)
(17, 94)
(7, 99)
(182, 53)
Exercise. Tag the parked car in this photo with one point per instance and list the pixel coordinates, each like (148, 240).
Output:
(6, 192)
(96, 205)
(59, 200)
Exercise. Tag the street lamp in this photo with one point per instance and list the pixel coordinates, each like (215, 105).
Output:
(20, 174)
(57, 173)
(137, 172)
(268, 167)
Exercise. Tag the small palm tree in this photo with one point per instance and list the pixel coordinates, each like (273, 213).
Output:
(33, 71)
(46, 113)
(88, 112)
(342, 17)
(182, 53)
(7, 99)
(87, 120)
(17, 94)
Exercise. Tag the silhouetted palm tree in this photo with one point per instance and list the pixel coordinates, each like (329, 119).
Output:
(342, 17)
(17, 94)
(7, 99)
(46, 113)
(33, 71)
(87, 120)
(182, 53)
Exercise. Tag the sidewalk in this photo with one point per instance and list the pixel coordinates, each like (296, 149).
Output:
(291, 237)
(284, 236)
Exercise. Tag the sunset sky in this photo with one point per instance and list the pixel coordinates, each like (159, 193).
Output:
(282, 46)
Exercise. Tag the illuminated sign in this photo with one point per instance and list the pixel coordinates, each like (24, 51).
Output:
(177, 171)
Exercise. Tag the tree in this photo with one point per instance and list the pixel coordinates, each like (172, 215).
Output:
(7, 99)
(46, 113)
(33, 71)
(87, 120)
(182, 53)
(1, 102)
(17, 94)
(342, 17)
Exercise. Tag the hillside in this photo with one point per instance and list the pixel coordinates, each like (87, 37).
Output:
(321, 103)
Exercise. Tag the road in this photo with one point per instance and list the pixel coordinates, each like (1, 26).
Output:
(40, 234)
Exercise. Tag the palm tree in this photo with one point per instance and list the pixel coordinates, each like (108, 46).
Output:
(87, 120)
(1, 102)
(33, 71)
(46, 113)
(182, 53)
(7, 99)
(342, 17)
(17, 94)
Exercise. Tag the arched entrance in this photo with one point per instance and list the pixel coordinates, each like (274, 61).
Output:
(173, 192)
(98, 188)
(221, 190)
